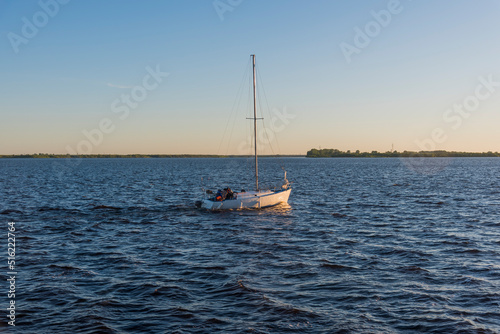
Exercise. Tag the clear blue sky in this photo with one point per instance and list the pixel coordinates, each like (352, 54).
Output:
(397, 89)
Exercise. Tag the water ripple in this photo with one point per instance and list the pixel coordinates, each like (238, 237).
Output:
(365, 246)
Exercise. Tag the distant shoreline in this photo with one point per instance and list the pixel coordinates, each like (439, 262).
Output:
(96, 156)
(334, 153)
(314, 153)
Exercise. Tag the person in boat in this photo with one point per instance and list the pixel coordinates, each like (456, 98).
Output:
(219, 196)
(222, 195)
(229, 193)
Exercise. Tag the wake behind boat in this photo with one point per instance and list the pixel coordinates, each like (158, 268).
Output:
(228, 200)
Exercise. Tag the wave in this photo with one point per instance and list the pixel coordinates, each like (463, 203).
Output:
(329, 265)
(11, 211)
(68, 270)
(413, 269)
(105, 207)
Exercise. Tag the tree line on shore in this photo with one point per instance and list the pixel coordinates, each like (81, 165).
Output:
(48, 155)
(334, 153)
(313, 153)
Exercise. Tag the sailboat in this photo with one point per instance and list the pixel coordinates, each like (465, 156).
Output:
(256, 199)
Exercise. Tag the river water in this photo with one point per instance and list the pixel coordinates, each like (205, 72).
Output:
(364, 246)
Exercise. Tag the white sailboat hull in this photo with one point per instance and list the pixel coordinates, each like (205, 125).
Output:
(249, 200)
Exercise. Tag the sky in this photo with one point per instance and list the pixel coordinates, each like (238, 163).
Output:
(165, 77)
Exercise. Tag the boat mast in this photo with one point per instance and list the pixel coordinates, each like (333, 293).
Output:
(255, 126)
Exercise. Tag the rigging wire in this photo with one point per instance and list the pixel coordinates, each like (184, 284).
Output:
(235, 106)
(260, 88)
(261, 84)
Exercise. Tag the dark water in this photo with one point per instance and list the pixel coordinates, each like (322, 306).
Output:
(366, 246)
